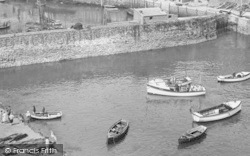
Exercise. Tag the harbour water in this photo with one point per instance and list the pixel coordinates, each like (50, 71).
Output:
(93, 93)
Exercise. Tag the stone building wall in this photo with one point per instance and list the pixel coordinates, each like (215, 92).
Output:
(57, 45)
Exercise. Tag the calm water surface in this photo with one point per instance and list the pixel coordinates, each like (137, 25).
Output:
(93, 93)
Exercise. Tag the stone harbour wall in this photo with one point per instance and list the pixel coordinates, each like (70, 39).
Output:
(48, 46)
(121, 3)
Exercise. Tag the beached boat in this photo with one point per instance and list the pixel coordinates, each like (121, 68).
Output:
(46, 115)
(110, 7)
(130, 11)
(117, 131)
(175, 87)
(5, 25)
(193, 134)
(235, 77)
(219, 112)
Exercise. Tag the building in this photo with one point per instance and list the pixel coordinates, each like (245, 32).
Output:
(150, 15)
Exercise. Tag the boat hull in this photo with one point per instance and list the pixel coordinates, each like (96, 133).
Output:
(111, 140)
(158, 91)
(199, 132)
(216, 117)
(182, 141)
(223, 79)
(49, 117)
(115, 138)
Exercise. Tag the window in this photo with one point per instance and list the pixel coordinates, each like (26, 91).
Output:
(150, 17)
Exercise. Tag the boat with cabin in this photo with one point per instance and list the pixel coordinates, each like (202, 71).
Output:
(175, 87)
(222, 111)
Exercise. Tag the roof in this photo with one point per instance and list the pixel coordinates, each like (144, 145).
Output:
(150, 11)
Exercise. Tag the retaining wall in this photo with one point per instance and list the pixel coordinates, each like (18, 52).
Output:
(49, 46)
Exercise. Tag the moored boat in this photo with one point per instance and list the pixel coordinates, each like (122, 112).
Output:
(222, 111)
(193, 134)
(235, 77)
(175, 87)
(5, 25)
(46, 115)
(117, 131)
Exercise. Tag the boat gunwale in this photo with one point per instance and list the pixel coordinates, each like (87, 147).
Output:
(123, 131)
(193, 113)
(222, 78)
(175, 91)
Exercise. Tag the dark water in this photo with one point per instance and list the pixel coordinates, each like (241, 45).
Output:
(93, 93)
(19, 12)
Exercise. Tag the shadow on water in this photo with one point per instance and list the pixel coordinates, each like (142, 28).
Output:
(158, 99)
(189, 144)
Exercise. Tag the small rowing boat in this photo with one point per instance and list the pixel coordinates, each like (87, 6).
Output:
(235, 77)
(5, 25)
(193, 134)
(175, 87)
(222, 111)
(117, 131)
(46, 115)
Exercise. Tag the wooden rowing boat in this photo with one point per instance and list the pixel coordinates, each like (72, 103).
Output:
(235, 77)
(46, 115)
(5, 25)
(117, 131)
(218, 112)
(175, 87)
(193, 134)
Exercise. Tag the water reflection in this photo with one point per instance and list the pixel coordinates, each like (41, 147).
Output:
(21, 12)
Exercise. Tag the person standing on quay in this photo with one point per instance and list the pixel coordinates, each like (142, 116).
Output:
(34, 109)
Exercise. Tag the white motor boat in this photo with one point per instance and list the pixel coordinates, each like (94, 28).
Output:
(175, 87)
(235, 77)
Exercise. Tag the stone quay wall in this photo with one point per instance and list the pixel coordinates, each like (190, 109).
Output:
(58, 45)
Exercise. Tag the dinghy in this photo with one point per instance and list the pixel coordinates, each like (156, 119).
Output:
(46, 115)
(193, 134)
(219, 112)
(175, 87)
(117, 131)
(5, 25)
(235, 77)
